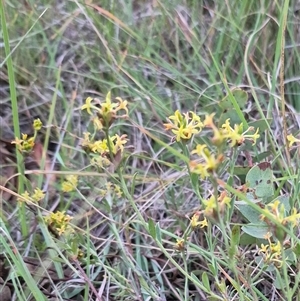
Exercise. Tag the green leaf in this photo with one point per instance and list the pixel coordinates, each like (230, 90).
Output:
(240, 96)
(195, 182)
(240, 170)
(249, 213)
(205, 281)
(262, 124)
(260, 179)
(297, 249)
(227, 107)
(232, 115)
(260, 157)
(212, 269)
(279, 283)
(285, 201)
(196, 280)
(158, 232)
(256, 230)
(247, 240)
(151, 228)
(235, 235)
(235, 240)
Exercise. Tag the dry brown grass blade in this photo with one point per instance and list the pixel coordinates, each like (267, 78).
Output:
(184, 26)
(109, 15)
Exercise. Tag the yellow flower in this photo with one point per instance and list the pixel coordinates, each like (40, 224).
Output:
(208, 121)
(38, 195)
(195, 223)
(37, 124)
(292, 140)
(97, 123)
(276, 248)
(86, 139)
(59, 221)
(276, 209)
(177, 117)
(199, 150)
(236, 134)
(122, 105)
(100, 146)
(263, 249)
(199, 169)
(294, 218)
(272, 252)
(274, 206)
(25, 144)
(109, 186)
(102, 192)
(118, 191)
(119, 143)
(25, 195)
(70, 184)
(67, 186)
(180, 245)
(214, 209)
(210, 206)
(210, 163)
(107, 106)
(224, 200)
(28, 144)
(184, 126)
(17, 141)
(100, 161)
(107, 112)
(88, 105)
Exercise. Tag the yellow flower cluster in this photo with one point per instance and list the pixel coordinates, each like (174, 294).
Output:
(111, 188)
(272, 252)
(215, 208)
(237, 135)
(103, 147)
(184, 126)
(209, 162)
(195, 223)
(278, 213)
(37, 124)
(37, 196)
(59, 221)
(26, 144)
(70, 184)
(107, 112)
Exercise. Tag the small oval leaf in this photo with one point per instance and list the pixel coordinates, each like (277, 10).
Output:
(256, 230)
(260, 178)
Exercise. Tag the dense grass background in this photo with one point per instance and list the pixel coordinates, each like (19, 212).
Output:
(161, 56)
